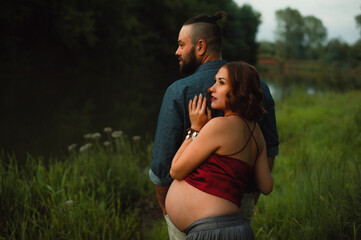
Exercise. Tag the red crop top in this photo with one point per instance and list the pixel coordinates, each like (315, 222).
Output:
(222, 176)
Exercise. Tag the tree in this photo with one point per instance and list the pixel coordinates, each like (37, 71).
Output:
(297, 36)
(315, 35)
(355, 53)
(315, 31)
(240, 31)
(358, 22)
(336, 51)
(267, 49)
(290, 33)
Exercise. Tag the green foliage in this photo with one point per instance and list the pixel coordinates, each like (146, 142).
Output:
(119, 32)
(267, 49)
(315, 35)
(358, 21)
(299, 37)
(242, 24)
(315, 31)
(94, 194)
(355, 53)
(159, 231)
(290, 32)
(317, 174)
(336, 50)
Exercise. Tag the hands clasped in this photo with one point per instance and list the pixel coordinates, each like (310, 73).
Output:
(197, 112)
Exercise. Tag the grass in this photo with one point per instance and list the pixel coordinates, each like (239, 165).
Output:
(104, 192)
(96, 194)
(317, 192)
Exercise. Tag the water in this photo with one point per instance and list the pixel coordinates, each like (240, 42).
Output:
(310, 83)
(280, 93)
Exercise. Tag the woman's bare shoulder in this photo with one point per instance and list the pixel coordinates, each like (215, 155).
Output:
(215, 123)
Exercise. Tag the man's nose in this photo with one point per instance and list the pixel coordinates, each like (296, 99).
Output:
(177, 52)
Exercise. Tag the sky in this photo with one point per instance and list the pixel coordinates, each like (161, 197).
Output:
(337, 16)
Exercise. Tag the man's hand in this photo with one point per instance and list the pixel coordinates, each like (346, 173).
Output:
(161, 192)
(256, 197)
(271, 160)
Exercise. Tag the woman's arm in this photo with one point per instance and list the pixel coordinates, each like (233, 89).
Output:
(192, 153)
(262, 171)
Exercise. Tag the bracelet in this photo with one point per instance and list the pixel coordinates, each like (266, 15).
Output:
(192, 133)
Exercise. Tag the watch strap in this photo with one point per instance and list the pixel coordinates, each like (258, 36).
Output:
(191, 133)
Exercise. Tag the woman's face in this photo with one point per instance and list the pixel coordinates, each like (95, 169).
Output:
(220, 89)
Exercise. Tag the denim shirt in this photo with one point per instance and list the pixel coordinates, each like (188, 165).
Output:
(173, 119)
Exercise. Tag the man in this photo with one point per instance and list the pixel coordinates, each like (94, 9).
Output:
(199, 54)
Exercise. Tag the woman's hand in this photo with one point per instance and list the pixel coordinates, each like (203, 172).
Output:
(197, 112)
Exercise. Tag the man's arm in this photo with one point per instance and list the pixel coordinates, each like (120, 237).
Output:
(270, 162)
(167, 140)
(161, 192)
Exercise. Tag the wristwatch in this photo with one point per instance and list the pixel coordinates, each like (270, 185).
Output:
(191, 133)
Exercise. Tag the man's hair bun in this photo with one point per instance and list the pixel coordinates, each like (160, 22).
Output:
(218, 15)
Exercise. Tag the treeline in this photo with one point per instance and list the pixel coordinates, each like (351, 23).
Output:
(115, 32)
(305, 37)
(69, 67)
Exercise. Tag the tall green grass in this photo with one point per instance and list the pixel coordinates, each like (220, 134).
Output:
(95, 194)
(103, 192)
(317, 192)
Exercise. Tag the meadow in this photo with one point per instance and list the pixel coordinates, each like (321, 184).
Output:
(101, 190)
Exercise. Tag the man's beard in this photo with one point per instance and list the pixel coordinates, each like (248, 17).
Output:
(190, 63)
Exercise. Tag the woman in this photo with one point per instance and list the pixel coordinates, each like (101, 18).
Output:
(218, 157)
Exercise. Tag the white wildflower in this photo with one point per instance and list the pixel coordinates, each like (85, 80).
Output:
(108, 130)
(117, 134)
(96, 136)
(137, 138)
(72, 147)
(107, 143)
(68, 203)
(87, 136)
(82, 149)
(85, 147)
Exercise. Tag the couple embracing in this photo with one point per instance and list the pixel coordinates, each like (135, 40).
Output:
(216, 138)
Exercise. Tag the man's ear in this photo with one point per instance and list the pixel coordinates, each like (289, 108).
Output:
(201, 47)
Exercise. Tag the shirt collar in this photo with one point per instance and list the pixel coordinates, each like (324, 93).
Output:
(211, 65)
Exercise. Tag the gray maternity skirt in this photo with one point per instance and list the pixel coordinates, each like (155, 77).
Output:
(225, 227)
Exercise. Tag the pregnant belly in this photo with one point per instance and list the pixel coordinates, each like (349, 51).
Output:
(185, 204)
